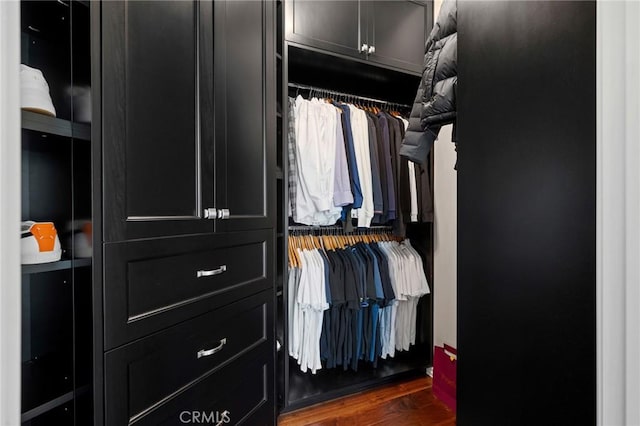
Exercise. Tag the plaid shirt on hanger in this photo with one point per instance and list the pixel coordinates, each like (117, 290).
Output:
(292, 174)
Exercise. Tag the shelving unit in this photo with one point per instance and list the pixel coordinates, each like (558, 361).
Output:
(320, 66)
(56, 187)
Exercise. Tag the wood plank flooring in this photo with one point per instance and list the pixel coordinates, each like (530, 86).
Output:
(403, 404)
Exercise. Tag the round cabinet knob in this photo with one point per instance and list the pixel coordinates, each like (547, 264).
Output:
(364, 48)
(372, 49)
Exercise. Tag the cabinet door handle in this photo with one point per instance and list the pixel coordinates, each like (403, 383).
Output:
(208, 352)
(372, 49)
(213, 213)
(202, 273)
(364, 48)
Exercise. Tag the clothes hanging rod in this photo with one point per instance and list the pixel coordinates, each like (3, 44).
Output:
(334, 92)
(338, 228)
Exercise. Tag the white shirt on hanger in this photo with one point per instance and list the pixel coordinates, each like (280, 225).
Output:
(315, 130)
(360, 130)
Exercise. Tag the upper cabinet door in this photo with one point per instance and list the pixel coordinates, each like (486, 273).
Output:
(244, 79)
(157, 118)
(397, 30)
(330, 25)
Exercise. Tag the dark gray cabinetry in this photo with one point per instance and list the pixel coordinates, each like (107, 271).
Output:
(152, 284)
(187, 240)
(157, 107)
(223, 364)
(390, 33)
(184, 117)
(244, 77)
(327, 25)
(55, 326)
(397, 31)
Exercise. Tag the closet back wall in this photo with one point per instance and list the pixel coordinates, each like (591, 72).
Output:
(526, 213)
(445, 227)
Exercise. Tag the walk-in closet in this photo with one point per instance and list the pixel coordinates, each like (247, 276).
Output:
(236, 209)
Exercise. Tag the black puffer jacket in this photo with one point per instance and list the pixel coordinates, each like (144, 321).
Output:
(435, 103)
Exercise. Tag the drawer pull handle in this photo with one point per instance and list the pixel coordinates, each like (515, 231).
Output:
(203, 353)
(202, 273)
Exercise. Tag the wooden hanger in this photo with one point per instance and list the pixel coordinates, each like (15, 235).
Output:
(293, 254)
(328, 244)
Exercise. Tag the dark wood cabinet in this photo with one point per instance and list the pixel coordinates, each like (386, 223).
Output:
(55, 182)
(186, 239)
(244, 75)
(218, 362)
(390, 33)
(186, 88)
(397, 30)
(328, 25)
(157, 109)
(153, 284)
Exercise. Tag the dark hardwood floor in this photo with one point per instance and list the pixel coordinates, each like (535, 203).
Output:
(408, 403)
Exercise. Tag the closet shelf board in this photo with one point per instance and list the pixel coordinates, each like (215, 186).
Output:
(55, 266)
(55, 126)
(47, 406)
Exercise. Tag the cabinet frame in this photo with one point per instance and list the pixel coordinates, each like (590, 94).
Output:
(365, 35)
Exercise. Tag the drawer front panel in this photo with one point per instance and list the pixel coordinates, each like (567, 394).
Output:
(153, 284)
(238, 395)
(148, 376)
(164, 283)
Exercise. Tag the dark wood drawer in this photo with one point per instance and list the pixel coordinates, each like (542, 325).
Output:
(153, 284)
(194, 366)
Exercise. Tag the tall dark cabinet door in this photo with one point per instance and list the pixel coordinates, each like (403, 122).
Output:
(396, 30)
(330, 25)
(245, 118)
(157, 118)
(526, 213)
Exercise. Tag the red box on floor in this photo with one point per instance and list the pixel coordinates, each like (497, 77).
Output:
(444, 375)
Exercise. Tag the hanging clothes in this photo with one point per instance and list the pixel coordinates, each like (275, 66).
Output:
(344, 164)
(292, 169)
(360, 132)
(315, 139)
(352, 299)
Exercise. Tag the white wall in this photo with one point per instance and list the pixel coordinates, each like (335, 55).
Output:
(618, 212)
(445, 196)
(445, 240)
(10, 142)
